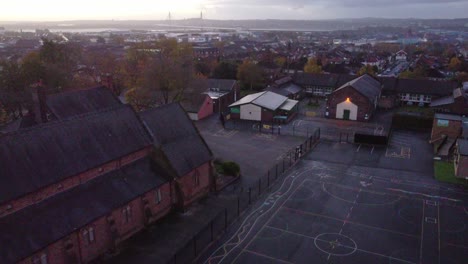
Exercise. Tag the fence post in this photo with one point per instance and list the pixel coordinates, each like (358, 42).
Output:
(211, 229)
(195, 245)
(259, 186)
(283, 167)
(225, 218)
(347, 137)
(276, 171)
(250, 195)
(290, 161)
(268, 179)
(238, 205)
(340, 137)
(293, 129)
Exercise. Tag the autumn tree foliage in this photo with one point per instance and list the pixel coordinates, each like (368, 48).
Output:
(312, 66)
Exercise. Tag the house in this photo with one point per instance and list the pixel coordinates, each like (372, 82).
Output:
(401, 56)
(88, 183)
(456, 103)
(320, 84)
(461, 159)
(264, 107)
(221, 93)
(355, 100)
(446, 124)
(181, 151)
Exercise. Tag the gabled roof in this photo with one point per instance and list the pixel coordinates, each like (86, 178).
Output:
(25, 232)
(267, 99)
(68, 104)
(424, 86)
(316, 79)
(193, 102)
(42, 155)
(365, 85)
(175, 134)
(225, 85)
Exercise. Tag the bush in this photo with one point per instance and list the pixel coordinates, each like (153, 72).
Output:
(230, 168)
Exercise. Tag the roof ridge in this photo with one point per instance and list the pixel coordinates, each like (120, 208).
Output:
(66, 120)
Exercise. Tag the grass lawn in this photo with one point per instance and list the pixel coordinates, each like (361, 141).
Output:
(445, 172)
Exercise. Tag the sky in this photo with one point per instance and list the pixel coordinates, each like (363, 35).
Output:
(58, 10)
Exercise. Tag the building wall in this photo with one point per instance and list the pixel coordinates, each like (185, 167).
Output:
(461, 166)
(189, 188)
(451, 128)
(250, 112)
(157, 210)
(387, 102)
(267, 115)
(339, 96)
(15, 205)
(206, 109)
(341, 107)
(65, 250)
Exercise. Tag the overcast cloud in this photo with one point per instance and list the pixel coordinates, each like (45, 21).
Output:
(230, 9)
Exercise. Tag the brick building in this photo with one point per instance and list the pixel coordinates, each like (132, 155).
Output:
(355, 100)
(446, 124)
(179, 148)
(75, 187)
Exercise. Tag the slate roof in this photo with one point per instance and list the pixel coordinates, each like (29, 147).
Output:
(222, 84)
(462, 146)
(29, 230)
(42, 155)
(423, 86)
(316, 79)
(73, 103)
(175, 134)
(267, 99)
(365, 85)
(192, 102)
(286, 89)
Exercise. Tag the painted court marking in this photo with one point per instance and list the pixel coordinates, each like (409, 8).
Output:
(225, 133)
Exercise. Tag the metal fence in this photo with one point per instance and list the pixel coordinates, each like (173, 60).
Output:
(301, 129)
(237, 202)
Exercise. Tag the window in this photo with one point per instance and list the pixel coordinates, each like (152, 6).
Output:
(88, 235)
(127, 213)
(414, 97)
(427, 98)
(40, 259)
(442, 123)
(158, 196)
(196, 178)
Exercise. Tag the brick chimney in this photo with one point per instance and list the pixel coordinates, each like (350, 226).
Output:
(39, 102)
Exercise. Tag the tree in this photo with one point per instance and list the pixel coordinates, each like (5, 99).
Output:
(13, 93)
(367, 69)
(250, 74)
(225, 70)
(312, 66)
(454, 64)
(3, 115)
(169, 72)
(417, 73)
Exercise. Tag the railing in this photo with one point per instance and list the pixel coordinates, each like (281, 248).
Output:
(240, 200)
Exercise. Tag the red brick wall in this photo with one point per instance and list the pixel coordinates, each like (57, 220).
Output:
(69, 183)
(453, 130)
(102, 240)
(65, 250)
(158, 210)
(339, 96)
(267, 115)
(462, 169)
(191, 192)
